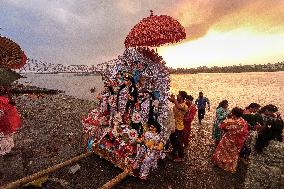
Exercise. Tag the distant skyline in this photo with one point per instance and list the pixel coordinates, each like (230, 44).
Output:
(219, 32)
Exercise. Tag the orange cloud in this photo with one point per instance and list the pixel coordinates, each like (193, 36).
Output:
(198, 17)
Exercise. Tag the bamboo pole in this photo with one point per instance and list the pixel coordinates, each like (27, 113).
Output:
(44, 172)
(115, 180)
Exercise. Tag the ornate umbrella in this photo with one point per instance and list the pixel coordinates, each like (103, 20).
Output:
(11, 55)
(155, 31)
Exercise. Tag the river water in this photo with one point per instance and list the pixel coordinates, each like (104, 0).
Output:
(239, 89)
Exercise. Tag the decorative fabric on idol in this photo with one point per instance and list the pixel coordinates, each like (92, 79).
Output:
(151, 158)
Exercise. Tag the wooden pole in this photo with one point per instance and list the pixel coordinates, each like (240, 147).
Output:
(44, 172)
(115, 180)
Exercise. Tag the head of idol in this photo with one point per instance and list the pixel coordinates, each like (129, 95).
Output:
(154, 127)
(136, 63)
(127, 79)
(141, 81)
(118, 75)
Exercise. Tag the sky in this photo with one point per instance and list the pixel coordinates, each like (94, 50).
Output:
(219, 32)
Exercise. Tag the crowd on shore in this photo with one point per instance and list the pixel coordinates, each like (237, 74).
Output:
(253, 134)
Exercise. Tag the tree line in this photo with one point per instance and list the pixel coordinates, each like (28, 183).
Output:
(230, 69)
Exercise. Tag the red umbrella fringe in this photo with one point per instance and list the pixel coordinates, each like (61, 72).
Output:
(155, 31)
(11, 55)
(16, 63)
(151, 54)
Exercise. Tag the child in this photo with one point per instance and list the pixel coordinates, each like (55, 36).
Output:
(154, 146)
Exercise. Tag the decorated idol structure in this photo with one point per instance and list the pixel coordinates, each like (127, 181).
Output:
(130, 124)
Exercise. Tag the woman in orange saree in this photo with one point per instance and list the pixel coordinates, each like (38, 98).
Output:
(236, 131)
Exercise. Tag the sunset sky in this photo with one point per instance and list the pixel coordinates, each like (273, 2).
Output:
(219, 32)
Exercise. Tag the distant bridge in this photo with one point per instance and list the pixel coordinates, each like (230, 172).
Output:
(36, 66)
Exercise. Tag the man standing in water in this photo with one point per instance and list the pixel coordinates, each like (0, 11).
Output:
(201, 103)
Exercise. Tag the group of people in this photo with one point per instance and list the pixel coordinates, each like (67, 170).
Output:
(184, 110)
(253, 134)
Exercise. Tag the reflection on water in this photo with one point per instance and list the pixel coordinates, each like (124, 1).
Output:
(238, 88)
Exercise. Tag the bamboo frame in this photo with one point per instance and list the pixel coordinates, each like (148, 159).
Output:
(96, 150)
(120, 165)
(44, 172)
(108, 185)
(115, 180)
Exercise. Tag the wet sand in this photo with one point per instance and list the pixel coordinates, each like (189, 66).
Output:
(52, 133)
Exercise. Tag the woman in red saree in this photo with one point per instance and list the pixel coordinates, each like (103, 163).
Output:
(10, 121)
(188, 118)
(236, 131)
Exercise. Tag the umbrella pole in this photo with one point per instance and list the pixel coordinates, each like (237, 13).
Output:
(44, 172)
(115, 180)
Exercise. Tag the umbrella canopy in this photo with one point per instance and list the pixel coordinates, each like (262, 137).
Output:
(11, 55)
(8, 76)
(155, 31)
